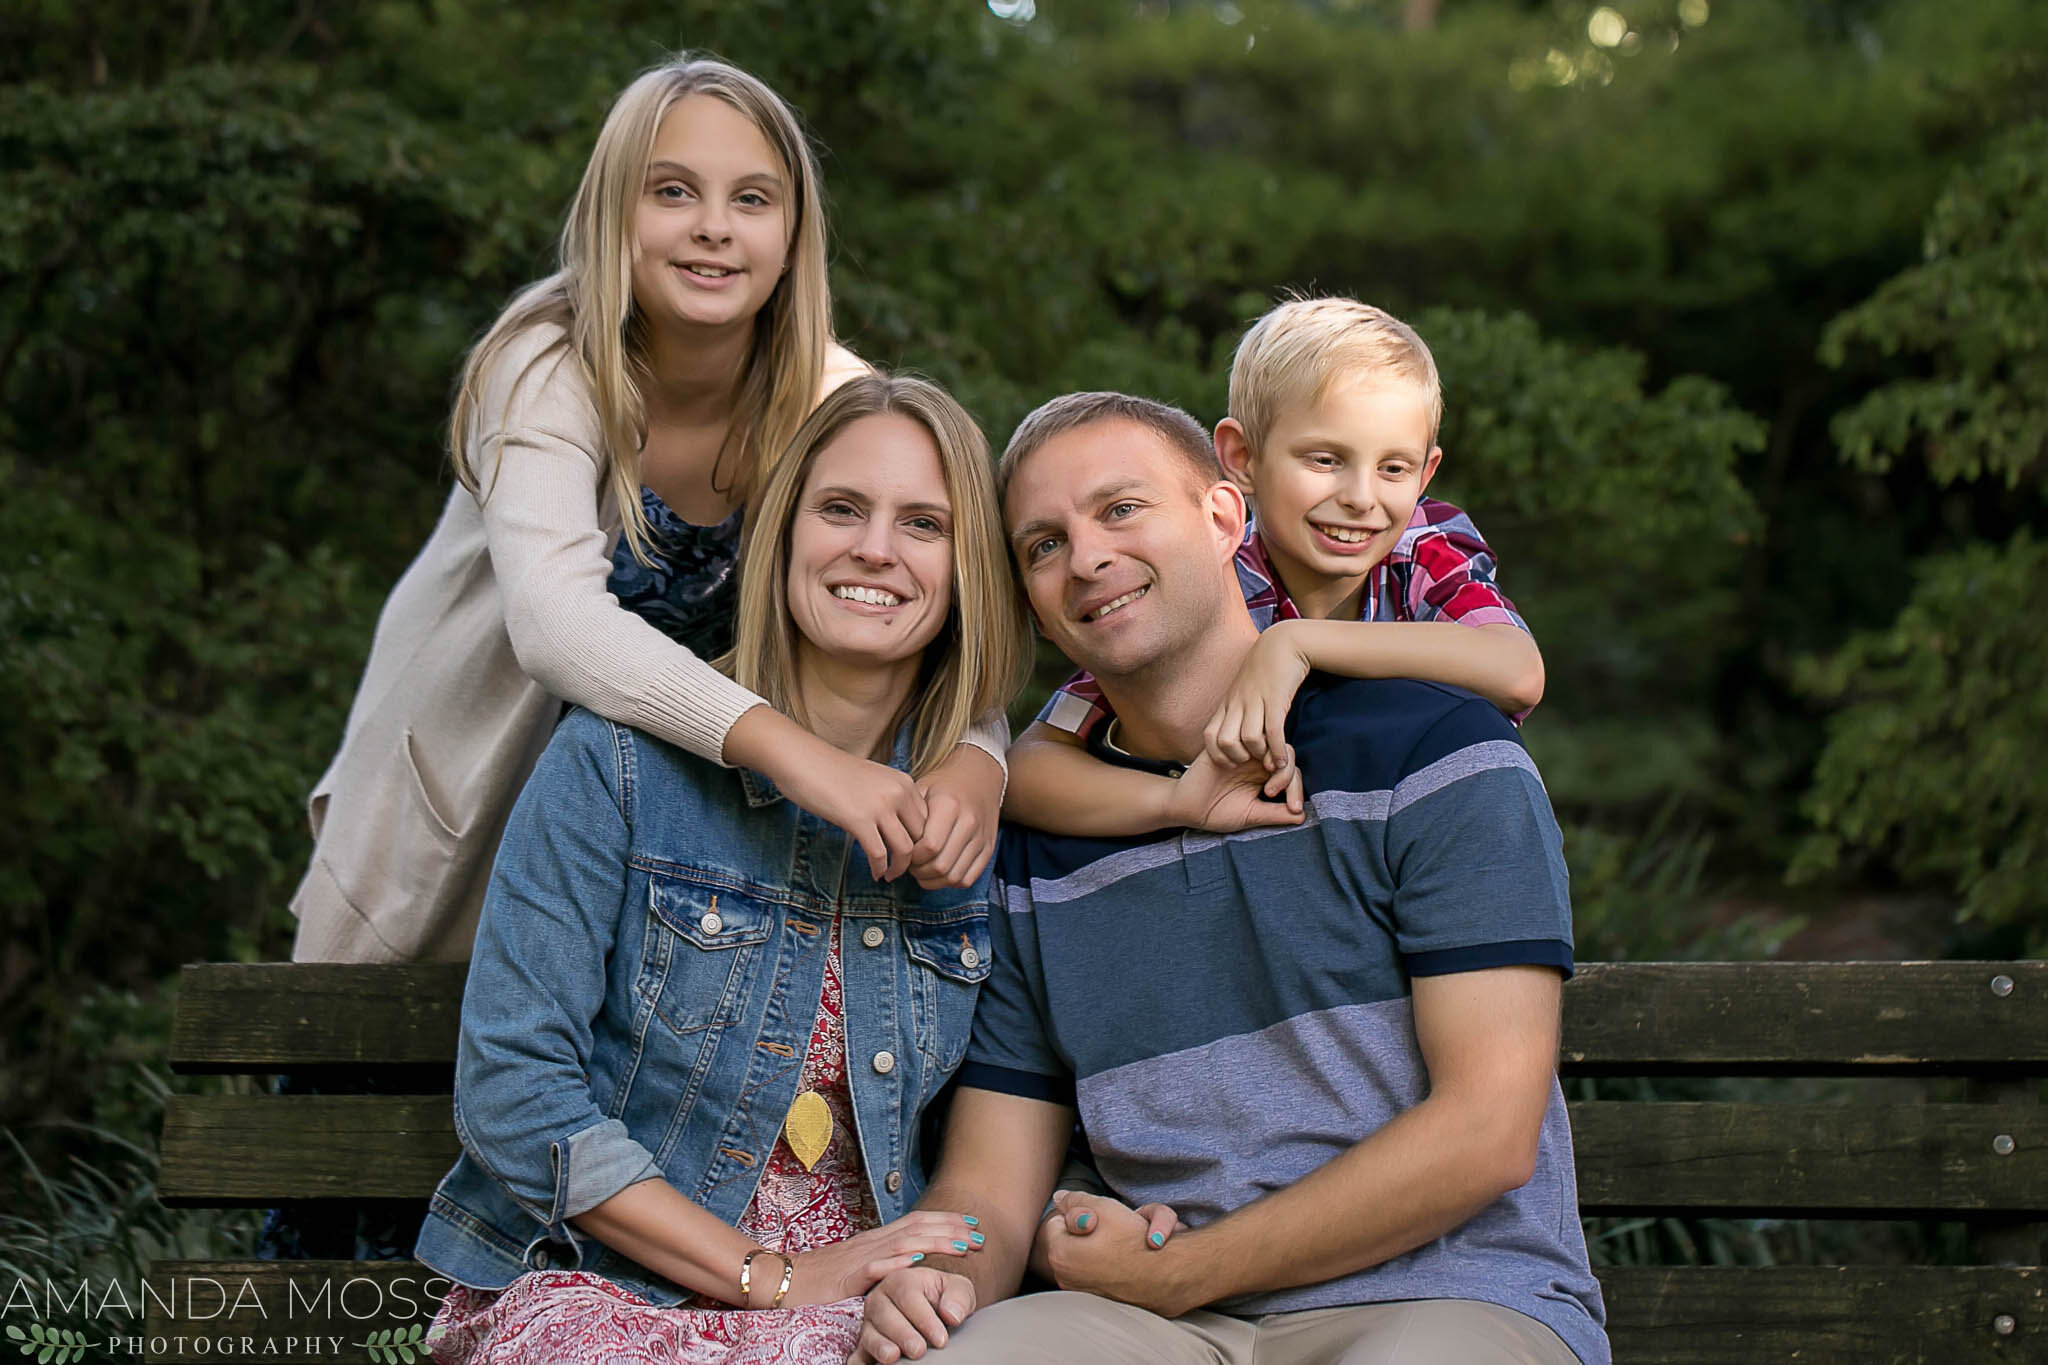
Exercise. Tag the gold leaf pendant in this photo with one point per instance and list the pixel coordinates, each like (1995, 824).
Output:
(808, 1128)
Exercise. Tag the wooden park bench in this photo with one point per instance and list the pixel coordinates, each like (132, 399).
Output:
(1963, 1140)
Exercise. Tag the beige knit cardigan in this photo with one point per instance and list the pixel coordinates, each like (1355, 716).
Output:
(502, 617)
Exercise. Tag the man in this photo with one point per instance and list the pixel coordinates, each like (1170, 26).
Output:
(1330, 1046)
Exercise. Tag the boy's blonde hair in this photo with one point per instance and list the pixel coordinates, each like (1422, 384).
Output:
(590, 297)
(979, 659)
(1302, 348)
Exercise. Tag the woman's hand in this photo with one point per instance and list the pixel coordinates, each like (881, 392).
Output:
(854, 1266)
(1099, 1246)
(909, 1311)
(1080, 1214)
(963, 798)
(1251, 722)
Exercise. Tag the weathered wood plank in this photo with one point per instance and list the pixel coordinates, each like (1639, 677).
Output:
(1819, 1315)
(1887, 1315)
(1811, 1160)
(1819, 1160)
(1649, 1018)
(242, 1151)
(1811, 1018)
(285, 1016)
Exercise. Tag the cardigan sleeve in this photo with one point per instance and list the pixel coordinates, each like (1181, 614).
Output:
(537, 458)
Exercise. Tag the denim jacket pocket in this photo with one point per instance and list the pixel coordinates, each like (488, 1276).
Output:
(953, 950)
(704, 946)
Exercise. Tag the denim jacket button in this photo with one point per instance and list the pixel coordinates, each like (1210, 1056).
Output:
(540, 1259)
(969, 959)
(894, 1182)
(885, 1062)
(872, 936)
(711, 923)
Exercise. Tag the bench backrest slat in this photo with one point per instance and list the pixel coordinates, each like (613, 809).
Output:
(1837, 1160)
(1649, 1018)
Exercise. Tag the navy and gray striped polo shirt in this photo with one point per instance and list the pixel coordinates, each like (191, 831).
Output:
(1230, 1012)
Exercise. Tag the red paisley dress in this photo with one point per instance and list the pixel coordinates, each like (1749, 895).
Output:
(574, 1317)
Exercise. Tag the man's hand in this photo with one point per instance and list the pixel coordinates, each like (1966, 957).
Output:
(1103, 1246)
(963, 797)
(1224, 798)
(909, 1311)
(1251, 722)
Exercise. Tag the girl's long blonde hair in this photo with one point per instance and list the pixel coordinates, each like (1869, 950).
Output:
(978, 660)
(590, 297)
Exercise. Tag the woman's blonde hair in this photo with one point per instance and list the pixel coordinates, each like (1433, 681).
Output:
(978, 660)
(590, 297)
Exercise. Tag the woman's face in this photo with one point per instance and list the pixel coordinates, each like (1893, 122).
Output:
(712, 228)
(871, 548)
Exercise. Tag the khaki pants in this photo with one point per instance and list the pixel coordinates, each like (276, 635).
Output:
(1064, 1328)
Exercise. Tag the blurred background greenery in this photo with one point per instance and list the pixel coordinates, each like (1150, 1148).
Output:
(1740, 306)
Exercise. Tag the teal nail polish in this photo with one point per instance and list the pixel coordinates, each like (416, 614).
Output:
(970, 1220)
(1159, 1239)
(916, 1256)
(977, 1239)
(1083, 1221)
(959, 1246)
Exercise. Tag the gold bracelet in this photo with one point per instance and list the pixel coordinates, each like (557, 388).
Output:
(747, 1277)
(788, 1270)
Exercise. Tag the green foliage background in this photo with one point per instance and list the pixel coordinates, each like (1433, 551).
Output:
(1741, 325)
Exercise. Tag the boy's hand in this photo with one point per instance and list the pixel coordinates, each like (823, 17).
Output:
(1251, 723)
(1224, 798)
(909, 1311)
(962, 799)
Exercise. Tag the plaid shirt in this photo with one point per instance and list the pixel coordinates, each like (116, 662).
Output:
(1441, 570)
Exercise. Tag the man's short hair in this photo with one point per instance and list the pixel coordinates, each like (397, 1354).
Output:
(1295, 354)
(1069, 412)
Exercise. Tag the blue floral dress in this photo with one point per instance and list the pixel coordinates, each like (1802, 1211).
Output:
(691, 590)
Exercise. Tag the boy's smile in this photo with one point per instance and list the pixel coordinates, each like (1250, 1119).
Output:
(1335, 486)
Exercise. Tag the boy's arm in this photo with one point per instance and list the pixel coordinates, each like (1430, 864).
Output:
(1499, 662)
(1057, 785)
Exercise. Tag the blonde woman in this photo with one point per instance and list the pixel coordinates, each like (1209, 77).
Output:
(698, 1037)
(609, 431)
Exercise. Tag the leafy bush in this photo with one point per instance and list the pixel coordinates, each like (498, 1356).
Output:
(1933, 761)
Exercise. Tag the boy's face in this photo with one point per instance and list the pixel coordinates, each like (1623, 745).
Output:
(1335, 485)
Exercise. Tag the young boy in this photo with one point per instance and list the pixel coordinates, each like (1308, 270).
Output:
(1346, 566)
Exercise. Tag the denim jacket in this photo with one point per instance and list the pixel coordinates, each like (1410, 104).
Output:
(643, 990)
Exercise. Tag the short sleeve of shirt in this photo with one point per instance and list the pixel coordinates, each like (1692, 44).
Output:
(1011, 1049)
(1452, 571)
(1078, 707)
(1474, 853)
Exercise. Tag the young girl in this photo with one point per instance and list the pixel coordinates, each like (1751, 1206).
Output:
(697, 1041)
(631, 400)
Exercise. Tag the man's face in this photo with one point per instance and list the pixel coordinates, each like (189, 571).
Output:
(1124, 553)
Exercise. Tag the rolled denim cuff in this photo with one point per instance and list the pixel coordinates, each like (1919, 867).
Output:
(595, 1164)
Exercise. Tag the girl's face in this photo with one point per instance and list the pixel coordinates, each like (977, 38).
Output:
(712, 229)
(871, 548)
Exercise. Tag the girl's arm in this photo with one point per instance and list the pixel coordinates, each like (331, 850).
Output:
(1499, 662)
(550, 556)
(1057, 785)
